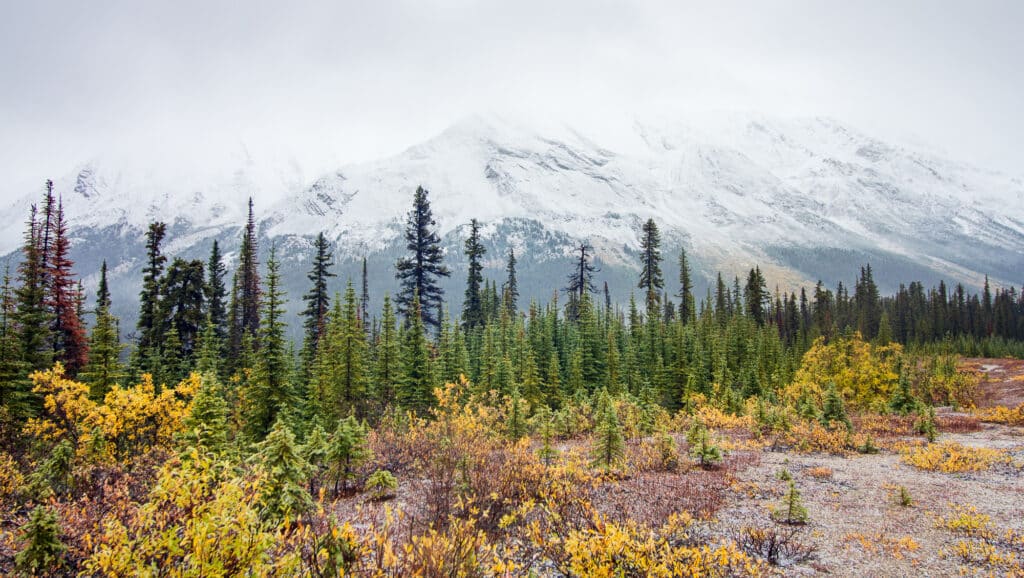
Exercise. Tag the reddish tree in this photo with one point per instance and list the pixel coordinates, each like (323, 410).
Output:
(64, 301)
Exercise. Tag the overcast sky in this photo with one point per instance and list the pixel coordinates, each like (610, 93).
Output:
(334, 82)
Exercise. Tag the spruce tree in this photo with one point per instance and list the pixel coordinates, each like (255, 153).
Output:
(364, 301)
(415, 389)
(66, 331)
(902, 401)
(249, 280)
(348, 450)
(15, 390)
(834, 411)
(182, 307)
(792, 510)
(687, 307)
(206, 426)
(651, 279)
(419, 273)
(510, 289)
(581, 281)
(32, 317)
(756, 296)
(317, 301)
(43, 550)
(388, 369)
(283, 494)
(609, 447)
(271, 393)
(472, 306)
(103, 371)
(215, 292)
(150, 325)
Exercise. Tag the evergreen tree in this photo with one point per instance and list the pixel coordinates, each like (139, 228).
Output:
(43, 549)
(249, 281)
(510, 289)
(32, 317)
(215, 291)
(472, 306)
(792, 510)
(388, 368)
(317, 301)
(650, 266)
(67, 332)
(609, 447)
(182, 307)
(103, 371)
(271, 392)
(581, 281)
(15, 390)
(834, 411)
(687, 307)
(206, 426)
(364, 301)
(283, 494)
(756, 296)
(342, 361)
(348, 450)
(516, 415)
(702, 448)
(419, 272)
(415, 390)
(902, 401)
(150, 325)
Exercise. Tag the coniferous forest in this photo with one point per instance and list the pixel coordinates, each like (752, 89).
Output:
(572, 437)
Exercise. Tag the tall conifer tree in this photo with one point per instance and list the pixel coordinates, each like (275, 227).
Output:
(472, 305)
(419, 273)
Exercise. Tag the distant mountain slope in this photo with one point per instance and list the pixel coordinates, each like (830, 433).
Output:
(805, 199)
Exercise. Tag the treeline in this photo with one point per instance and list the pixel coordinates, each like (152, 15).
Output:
(737, 341)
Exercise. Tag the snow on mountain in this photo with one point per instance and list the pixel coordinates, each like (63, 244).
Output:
(794, 195)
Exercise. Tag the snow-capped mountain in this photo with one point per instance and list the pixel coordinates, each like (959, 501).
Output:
(806, 199)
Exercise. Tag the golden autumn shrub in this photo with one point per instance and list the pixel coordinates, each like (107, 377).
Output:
(865, 374)
(951, 458)
(200, 520)
(129, 422)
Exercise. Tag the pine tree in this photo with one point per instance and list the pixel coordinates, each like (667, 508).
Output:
(472, 306)
(283, 494)
(344, 357)
(348, 450)
(316, 451)
(271, 392)
(103, 371)
(419, 272)
(510, 289)
(756, 296)
(687, 308)
(249, 280)
(150, 325)
(317, 301)
(609, 448)
(650, 266)
(215, 292)
(43, 549)
(415, 389)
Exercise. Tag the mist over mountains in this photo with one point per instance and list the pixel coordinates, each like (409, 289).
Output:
(805, 199)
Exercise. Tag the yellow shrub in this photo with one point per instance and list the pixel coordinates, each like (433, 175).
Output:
(864, 374)
(951, 457)
(612, 549)
(1003, 414)
(965, 519)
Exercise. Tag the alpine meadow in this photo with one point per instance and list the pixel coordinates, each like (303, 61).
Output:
(247, 330)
